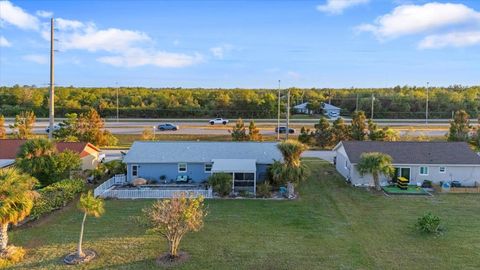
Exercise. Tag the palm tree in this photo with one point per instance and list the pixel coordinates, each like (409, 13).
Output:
(375, 163)
(35, 157)
(90, 206)
(16, 200)
(292, 171)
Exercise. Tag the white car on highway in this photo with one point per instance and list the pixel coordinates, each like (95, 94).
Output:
(55, 127)
(218, 121)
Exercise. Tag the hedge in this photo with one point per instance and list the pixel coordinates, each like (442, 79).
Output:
(56, 196)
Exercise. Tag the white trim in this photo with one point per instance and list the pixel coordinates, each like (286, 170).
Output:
(178, 167)
(205, 167)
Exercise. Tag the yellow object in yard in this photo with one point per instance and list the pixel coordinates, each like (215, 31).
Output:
(402, 183)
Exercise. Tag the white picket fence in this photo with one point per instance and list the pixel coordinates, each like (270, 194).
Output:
(106, 190)
(115, 180)
(155, 194)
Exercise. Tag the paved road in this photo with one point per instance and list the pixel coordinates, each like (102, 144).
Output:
(325, 155)
(266, 128)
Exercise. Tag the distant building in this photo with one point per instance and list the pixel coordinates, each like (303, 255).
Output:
(89, 154)
(415, 161)
(302, 108)
(331, 111)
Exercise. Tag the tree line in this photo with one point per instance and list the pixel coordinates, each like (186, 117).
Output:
(136, 102)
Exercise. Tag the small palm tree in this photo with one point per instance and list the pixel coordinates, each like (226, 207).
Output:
(375, 163)
(16, 201)
(292, 171)
(90, 206)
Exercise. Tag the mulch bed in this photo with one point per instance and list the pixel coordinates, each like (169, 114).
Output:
(167, 261)
(72, 258)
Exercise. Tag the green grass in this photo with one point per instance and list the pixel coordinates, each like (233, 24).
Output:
(331, 226)
(413, 190)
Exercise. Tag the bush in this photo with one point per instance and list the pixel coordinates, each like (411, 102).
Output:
(264, 190)
(12, 256)
(56, 196)
(429, 223)
(221, 183)
(427, 184)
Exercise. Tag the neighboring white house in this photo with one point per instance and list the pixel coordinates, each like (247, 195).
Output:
(331, 111)
(416, 161)
(302, 108)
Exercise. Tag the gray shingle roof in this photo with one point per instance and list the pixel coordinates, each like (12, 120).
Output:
(174, 152)
(457, 153)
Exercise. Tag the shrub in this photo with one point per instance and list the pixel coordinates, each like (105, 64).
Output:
(221, 183)
(429, 223)
(264, 190)
(12, 256)
(56, 196)
(427, 184)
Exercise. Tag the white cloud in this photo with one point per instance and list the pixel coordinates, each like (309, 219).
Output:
(44, 13)
(220, 51)
(455, 39)
(338, 6)
(36, 58)
(64, 24)
(17, 16)
(414, 19)
(139, 57)
(4, 42)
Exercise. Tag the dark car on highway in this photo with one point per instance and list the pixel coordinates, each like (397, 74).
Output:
(167, 126)
(284, 130)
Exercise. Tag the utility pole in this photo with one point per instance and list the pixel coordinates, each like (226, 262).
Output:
(116, 84)
(373, 99)
(288, 114)
(278, 113)
(52, 83)
(356, 104)
(426, 106)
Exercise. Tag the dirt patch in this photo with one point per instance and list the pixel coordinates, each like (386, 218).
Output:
(167, 261)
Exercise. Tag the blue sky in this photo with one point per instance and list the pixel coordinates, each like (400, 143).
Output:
(228, 44)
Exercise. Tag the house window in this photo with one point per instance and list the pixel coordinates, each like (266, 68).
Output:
(346, 164)
(182, 167)
(424, 170)
(208, 167)
(442, 169)
(134, 170)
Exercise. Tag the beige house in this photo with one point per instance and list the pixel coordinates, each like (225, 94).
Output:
(89, 153)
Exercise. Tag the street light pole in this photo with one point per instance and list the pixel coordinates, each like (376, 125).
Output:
(116, 84)
(278, 113)
(288, 114)
(52, 83)
(426, 105)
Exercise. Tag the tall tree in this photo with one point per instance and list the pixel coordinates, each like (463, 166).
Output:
(239, 133)
(323, 133)
(254, 132)
(375, 163)
(459, 127)
(3, 131)
(306, 136)
(16, 202)
(23, 125)
(91, 128)
(358, 126)
(341, 132)
(68, 129)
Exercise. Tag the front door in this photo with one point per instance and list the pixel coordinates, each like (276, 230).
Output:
(403, 172)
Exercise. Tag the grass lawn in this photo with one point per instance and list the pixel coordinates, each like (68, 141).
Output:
(332, 226)
(411, 190)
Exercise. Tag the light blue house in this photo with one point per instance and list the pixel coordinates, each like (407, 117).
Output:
(247, 162)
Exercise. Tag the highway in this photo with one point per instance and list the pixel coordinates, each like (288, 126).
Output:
(266, 126)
